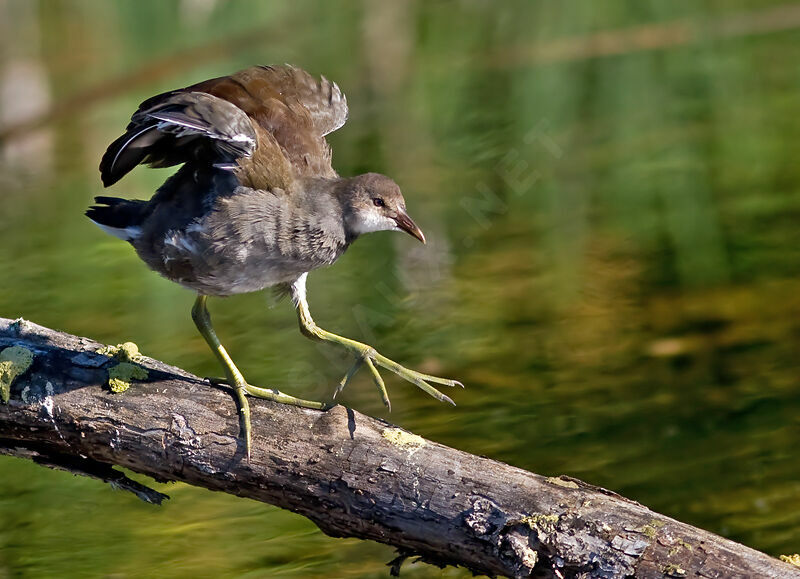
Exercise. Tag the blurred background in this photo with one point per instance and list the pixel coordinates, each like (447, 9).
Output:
(611, 193)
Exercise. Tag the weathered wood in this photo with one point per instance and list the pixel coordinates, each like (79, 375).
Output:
(354, 476)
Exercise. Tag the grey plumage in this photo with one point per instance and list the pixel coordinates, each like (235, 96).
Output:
(236, 239)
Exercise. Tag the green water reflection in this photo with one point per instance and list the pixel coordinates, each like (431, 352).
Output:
(611, 193)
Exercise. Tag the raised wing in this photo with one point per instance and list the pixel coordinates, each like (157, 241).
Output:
(178, 127)
(296, 109)
(324, 100)
(268, 123)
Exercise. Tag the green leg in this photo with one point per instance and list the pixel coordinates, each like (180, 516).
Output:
(365, 355)
(234, 378)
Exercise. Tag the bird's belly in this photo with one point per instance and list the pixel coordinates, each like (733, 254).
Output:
(224, 267)
(243, 278)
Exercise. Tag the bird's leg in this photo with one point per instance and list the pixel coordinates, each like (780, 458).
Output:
(365, 354)
(234, 378)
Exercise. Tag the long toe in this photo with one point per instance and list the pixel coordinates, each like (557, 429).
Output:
(417, 378)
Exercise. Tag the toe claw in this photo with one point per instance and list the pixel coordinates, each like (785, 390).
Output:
(376, 377)
(347, 377)
(339, 388)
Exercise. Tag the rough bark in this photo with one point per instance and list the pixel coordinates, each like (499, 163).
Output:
(354, 476)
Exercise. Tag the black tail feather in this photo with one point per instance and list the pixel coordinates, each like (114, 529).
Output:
(115, 212)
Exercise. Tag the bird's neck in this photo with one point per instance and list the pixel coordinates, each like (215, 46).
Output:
(334, 197)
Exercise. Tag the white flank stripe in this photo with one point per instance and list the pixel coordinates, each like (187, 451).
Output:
(123, 233)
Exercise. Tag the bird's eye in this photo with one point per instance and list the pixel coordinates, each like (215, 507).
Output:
(378, 202)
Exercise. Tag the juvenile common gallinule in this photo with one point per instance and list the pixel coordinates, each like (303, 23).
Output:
(255, 204)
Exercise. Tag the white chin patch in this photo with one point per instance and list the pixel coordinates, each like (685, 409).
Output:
(374, 222)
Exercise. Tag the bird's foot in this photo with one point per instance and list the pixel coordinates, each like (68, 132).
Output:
(367, 356)
(270, 394)
(242, 388)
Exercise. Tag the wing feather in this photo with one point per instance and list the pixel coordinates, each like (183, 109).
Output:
(294, 107)
(266, 123)
(177, 128)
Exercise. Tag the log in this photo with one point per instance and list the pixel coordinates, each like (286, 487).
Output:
(352, 475)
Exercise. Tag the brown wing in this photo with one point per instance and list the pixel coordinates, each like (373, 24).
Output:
(322, 98)
(268, 123)
(294, 108)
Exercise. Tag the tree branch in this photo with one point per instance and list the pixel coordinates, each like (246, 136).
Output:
(354, 476)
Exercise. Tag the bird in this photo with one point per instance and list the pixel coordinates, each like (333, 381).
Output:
(254, 204)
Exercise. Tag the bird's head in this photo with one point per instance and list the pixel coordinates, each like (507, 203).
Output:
(373, 202)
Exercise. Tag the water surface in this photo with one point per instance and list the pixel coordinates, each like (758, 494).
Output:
(611, 196)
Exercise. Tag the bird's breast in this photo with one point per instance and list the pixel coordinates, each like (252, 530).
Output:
(247, 243)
